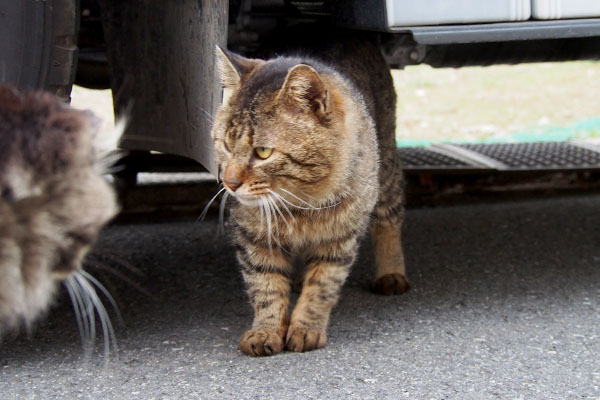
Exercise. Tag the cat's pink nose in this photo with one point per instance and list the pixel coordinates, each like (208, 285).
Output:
(232, 178)
(233, 185)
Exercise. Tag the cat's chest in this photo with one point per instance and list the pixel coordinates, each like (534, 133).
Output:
(296, 230)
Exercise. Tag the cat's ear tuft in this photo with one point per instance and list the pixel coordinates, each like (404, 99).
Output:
(233, 67)
(304, 86)
(106, 139)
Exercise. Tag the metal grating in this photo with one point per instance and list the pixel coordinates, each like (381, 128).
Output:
(419, 158)
(536, 156)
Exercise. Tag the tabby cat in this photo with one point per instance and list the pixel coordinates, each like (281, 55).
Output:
(306, 145)
(53, 203)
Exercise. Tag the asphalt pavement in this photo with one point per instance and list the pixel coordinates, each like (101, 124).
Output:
(505, 304)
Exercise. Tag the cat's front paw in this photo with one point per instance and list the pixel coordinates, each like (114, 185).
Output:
(301, 338)
(391, 284)
(261, 342)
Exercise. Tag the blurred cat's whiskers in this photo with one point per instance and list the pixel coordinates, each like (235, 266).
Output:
(205, 210)
(90, 279)
(271, 200)
(104, 267)
(269, 209)
(221, 228)
(309, 206)
(302, 192)
(208, 115)
(83, 314)
(276, 198)
(106, 253)
(265, 204)
(86, 305)
(262, 217)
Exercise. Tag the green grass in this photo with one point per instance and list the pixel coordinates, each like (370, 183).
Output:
(529, 102)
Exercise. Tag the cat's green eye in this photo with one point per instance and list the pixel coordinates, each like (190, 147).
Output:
(263, 152)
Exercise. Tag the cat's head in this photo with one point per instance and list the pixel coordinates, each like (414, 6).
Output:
(53, 199)
(280, 130)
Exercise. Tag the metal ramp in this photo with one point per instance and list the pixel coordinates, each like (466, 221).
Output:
(525, 157)
(435, 175)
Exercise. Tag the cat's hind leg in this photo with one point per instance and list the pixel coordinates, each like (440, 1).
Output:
(386, 227)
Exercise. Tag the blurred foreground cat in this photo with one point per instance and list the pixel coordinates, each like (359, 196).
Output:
(306, 145)
(53, 203)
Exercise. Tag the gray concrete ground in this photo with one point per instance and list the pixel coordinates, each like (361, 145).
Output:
(505, 305)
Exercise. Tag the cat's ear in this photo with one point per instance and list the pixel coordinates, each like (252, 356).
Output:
(233, 67)
(304, 86)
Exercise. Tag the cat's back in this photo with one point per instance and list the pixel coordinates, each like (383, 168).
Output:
(355, 55)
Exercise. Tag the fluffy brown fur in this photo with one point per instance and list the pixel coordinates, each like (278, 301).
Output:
(299, 144)
(53, 200)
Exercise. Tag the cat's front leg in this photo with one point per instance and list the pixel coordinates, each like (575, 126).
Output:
(266, 272)
(326, 272)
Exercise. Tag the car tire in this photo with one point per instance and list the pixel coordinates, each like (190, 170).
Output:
(38, 49)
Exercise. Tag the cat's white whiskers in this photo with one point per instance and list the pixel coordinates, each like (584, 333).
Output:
(99, 252)
(306, 194)
(104, 291)
(221, 228)
(93, 299)
(205, 211)
(262, 211)
(277, 197)
(271, 199)
(208, 115)
(84, 307)
(283, 199)
(274, 214)
(86, 304)
(266, 208)
(268, 215)
(298, 198)
(88, 313)
(91, 317)
(310, 206)
(274, 236)
(79, 309)
(104, 267)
